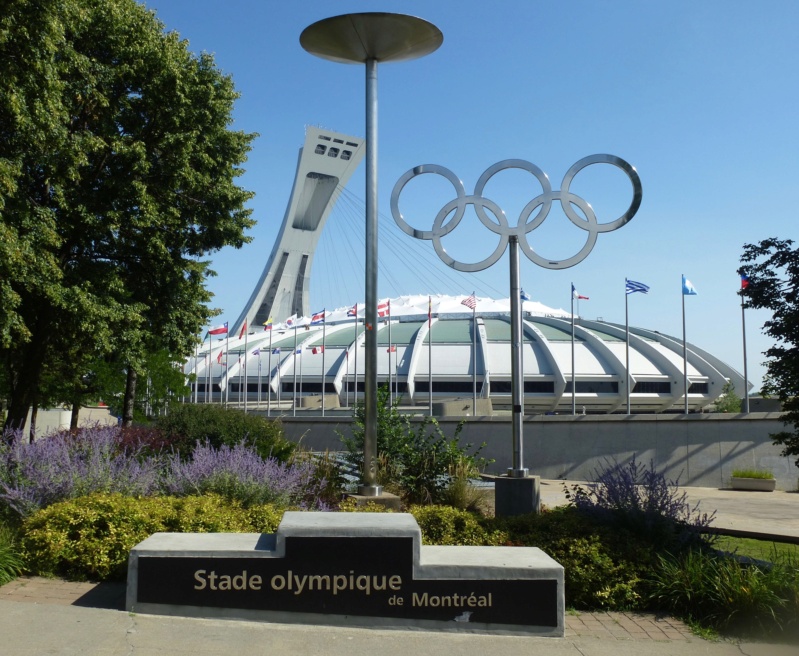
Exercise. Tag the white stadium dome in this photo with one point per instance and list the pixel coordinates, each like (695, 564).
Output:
(297, 359)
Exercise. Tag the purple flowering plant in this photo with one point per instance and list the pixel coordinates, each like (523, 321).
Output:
(239, 472)
(100, 459)
(64, 466)
(641, 499)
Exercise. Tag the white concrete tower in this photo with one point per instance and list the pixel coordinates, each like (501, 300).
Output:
(325, 164)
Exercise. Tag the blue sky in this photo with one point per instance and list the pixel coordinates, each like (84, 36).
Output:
(701, 97)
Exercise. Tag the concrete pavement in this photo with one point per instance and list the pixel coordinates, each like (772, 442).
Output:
(41, 616)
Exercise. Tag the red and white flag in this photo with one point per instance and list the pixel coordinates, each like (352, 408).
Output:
(318, 349)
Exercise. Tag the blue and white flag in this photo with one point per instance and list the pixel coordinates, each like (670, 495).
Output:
(688, 288)
(524, 296)
(631, 286)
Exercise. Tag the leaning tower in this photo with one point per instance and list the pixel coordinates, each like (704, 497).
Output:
(326, 162)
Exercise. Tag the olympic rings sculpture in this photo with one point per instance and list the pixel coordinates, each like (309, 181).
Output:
(524, 226)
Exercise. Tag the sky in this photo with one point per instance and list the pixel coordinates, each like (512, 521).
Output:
(700, 97)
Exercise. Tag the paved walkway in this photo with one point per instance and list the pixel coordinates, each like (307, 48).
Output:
(43, 616)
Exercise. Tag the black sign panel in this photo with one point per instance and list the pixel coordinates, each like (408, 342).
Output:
(344, 576)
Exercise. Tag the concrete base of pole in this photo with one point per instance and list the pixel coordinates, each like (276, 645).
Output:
(370, 490)
(516, 496)
(386, 499)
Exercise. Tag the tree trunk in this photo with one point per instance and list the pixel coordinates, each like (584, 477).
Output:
(25, 373)
(73, 422)
(34, 413)
(130, 398)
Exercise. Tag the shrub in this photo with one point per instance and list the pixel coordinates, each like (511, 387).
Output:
(240, 473)
(603, 565)
(412, 462)
(90, 538)
(728, 595)
(443, 525)
(65, 465)
(188, 424)
(10, 560)
(643, 501)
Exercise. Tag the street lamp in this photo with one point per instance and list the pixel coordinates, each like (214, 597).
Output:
(369, 38)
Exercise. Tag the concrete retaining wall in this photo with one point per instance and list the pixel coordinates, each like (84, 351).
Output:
(699, 449)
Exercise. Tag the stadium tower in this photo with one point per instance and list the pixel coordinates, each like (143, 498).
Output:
(326, 162)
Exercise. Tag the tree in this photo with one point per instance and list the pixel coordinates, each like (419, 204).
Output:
(117, 176)
(729, 401)
(772, 270)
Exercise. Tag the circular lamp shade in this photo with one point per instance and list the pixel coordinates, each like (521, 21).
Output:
(384, 37)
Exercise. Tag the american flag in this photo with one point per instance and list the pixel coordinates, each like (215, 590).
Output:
(470, 302)
(353, 311)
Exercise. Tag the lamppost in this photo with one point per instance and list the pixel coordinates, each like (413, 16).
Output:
(369, 38)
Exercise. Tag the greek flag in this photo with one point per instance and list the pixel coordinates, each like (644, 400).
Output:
(524, 296)
(631, 286)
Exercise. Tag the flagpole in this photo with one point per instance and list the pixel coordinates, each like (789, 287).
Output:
(627, 344)
(574, 398)
(684, 347)
(294, 367)
(430, 353)
(196, 379)
(227, 366)
(259, 379)
(208, 368)
(246, 353)
(390, 394)
(474, 359)
(324, 371)
(355, 373)
(746, 376)
(269, 377)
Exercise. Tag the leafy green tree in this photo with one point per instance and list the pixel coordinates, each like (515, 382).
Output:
(118, 173)
(729, 401)
(415, 462)
(772, 268)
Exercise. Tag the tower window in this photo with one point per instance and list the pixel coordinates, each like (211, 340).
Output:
(346, 154)
(333, 152)
(320, 149)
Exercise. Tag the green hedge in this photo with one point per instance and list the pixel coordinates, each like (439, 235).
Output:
(89, 538)
(185, 425)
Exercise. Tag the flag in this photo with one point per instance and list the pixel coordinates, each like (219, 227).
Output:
(318, 317)
(353, 311)
(392, 349)
(299, 351)
(524, 295)
(632, 287)
(744, 282)
(318, 349)
(257, 352)
(470, 302)
(219, 358)
(219, 330)
(429, 309)
(384, 309)
(243, 329)
(268, 324)
(687, 287)
(579, 297)
(276, 351)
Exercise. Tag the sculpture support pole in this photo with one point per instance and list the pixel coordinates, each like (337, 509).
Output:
(370, 487)
(517, 400)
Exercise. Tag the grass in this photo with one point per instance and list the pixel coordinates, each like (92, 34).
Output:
(757, 549)
(753, 473)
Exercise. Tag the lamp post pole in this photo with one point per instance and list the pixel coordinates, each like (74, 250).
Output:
(369, 38)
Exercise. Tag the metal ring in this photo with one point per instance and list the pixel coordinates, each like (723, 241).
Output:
(501, 227)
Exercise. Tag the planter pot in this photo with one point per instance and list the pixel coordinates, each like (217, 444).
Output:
(754, 484)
